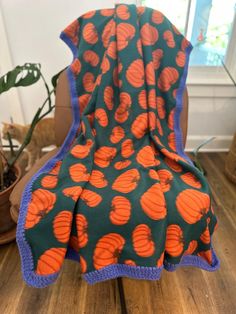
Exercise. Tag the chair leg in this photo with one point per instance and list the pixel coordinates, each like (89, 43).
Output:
(122, 296)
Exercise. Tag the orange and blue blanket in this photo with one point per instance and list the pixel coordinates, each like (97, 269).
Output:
(121, 197)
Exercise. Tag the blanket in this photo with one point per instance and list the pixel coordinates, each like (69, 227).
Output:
(121, 197)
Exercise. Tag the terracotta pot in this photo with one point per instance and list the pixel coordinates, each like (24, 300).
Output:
(6, 222)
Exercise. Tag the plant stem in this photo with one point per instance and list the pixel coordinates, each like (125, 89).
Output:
(29, 134)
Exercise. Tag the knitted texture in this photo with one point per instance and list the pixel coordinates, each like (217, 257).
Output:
(121, 197)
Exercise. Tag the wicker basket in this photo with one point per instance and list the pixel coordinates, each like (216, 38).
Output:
(230, 162)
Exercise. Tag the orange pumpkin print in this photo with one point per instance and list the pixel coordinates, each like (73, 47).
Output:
(152, 120)
(76, 66)
(180, 59)
(117, 134)
(72, 30)
(122, 112)
(122, 12)
(174, 244)
(56, 168)
(107, 12)
(146, 157)
(111, 50)
(108, 31)
(140, 10)
(191, 248)
(73, 192)
(62, 225)
(192, 205)
(82, 227)
(89, 14)
(119, 165)
(152, 98)
(159, 127)
(42, 201)
(139, 47)
(142, 99)
(166, 179)
(127, 148)
(205, 236)
(140, 125)
(169, 38)
(80, 151)
(153, 202)
(90, 33)
(130, 262)
(172, 141)
(78, 172)
(83, 264)
(108, 97)
(88, 81)
(83, 102)
(91, 57)
(125, 33)
(150, 73)
(107, 250)
(92, 199)
(157, 17)
(206, 255)
(104, 155)
(190, 179)
(161, 107)
(50, 262)
(101, 116)
(157, 55)
(120, 210)
(127, 181)
(173, 165)
(49, 182)
(161, 260)
(143, 243)
(135, 73)
(149, 34)
(98, 179)
(185, 43)
(105, 66)
(167, 78)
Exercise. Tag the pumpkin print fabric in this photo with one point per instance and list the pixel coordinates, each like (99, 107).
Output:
(121, 197)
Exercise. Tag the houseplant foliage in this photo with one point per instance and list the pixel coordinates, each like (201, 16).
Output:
(21, 76)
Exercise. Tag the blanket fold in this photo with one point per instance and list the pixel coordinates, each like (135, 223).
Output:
(121, 197)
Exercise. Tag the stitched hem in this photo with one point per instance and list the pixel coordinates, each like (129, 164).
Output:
(179, 107)
(149, 273)
(27, 263)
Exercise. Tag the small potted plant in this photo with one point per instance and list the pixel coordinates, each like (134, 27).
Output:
(10, 172)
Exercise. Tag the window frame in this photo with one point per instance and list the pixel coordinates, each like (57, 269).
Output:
(211, 75)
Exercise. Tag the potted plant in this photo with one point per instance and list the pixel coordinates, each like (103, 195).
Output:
(10, 172)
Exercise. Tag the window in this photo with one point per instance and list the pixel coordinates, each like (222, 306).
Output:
(210, 25)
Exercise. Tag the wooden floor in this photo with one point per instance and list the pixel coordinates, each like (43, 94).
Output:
(187, 290)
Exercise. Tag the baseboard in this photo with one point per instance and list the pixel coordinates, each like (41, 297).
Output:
(219, 144)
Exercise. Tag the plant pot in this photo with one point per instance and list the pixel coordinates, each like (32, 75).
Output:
(7, 225)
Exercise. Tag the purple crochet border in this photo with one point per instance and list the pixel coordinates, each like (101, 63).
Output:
(29, 276)
(179, 107)
(111, 271)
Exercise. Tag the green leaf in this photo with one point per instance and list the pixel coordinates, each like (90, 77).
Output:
(55, 78)
(24, 75)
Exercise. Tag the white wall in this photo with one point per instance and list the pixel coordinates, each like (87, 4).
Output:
(32, 30)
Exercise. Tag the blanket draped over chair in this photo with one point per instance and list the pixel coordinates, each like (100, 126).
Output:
(121, 197)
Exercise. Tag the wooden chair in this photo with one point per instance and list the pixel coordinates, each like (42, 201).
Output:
(63, 120)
